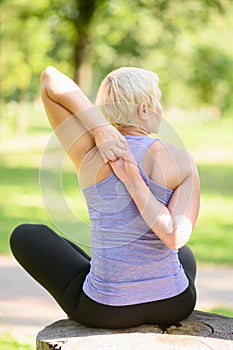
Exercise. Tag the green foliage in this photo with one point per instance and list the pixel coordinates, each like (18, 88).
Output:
(184, 43)
(166, 38)
(213, 78)
(23, 54)
(29, 41)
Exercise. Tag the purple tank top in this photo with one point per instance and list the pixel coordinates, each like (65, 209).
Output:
(130, 264)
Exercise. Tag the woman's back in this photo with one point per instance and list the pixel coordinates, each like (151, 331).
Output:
(163, 163)
(130, 264)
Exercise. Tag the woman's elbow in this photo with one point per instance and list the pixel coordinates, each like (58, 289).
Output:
(47, 73)
(175, 245)
(47, 82)
(177, 241)
(172, 243)
(44, 79)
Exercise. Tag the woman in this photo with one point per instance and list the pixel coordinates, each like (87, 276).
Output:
(143, 200)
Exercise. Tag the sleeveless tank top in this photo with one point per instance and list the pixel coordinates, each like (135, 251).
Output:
(130, 264)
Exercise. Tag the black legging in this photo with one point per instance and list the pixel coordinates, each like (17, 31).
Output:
(61, 267)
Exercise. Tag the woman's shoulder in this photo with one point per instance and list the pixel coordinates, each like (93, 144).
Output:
(165, 150)
(169, 164)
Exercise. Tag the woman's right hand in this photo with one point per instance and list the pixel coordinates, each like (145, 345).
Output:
(110, 142)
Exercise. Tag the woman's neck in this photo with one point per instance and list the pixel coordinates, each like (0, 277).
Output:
(133, 130)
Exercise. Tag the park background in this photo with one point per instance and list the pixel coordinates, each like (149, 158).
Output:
(189, 45)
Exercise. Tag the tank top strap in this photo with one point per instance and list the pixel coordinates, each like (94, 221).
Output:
(138, 146)
(147, 142)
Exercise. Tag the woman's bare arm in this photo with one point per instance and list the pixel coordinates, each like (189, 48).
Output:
(173, 224)
(63, 98)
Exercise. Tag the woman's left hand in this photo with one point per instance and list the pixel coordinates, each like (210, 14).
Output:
(110, 142)
(126, 168)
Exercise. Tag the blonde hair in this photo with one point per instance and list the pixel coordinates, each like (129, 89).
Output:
(123, 90)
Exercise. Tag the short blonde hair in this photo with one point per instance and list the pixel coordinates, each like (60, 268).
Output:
(123, 90)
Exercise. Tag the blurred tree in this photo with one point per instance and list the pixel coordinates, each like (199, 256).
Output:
(24, 46)
(83, 34)
(79, 15)
(158, 35)
(212, 78)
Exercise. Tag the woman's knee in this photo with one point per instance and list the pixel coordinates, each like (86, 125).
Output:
(22, 233)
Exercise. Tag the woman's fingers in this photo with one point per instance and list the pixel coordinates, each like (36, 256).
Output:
(123, 142)
(110, 155)
(111, 150)
(110, 142)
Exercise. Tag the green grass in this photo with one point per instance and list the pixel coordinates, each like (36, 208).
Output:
(221, 311)
(212, 239)
(21, 197)
(7, 342)
(209, 142)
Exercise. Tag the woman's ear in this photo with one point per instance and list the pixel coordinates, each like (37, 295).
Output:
(143, 111)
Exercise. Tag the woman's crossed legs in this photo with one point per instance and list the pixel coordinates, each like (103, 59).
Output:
(61, 268)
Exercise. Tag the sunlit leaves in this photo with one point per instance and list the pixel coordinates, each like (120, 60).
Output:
(186, 43)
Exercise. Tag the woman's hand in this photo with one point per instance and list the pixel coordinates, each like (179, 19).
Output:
(126, 169)
(110, 142)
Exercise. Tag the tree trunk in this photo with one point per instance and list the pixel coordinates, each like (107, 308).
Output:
(83, 64)
(82, 58)
(199, 331)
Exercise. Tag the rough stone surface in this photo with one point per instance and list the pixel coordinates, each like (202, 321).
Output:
(199, 331)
